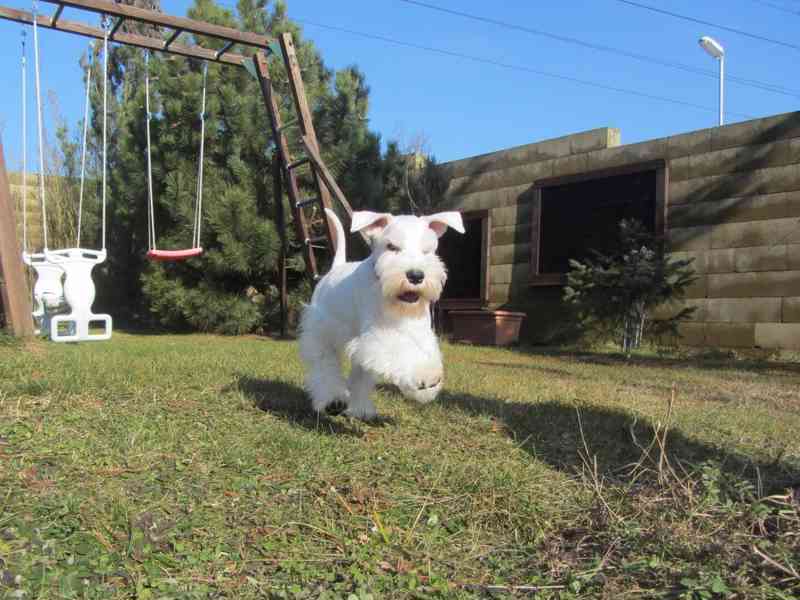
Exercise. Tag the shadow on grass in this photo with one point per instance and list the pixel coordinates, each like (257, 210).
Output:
(546, 370)
(713, 360)
(549, 431)
(289, 402)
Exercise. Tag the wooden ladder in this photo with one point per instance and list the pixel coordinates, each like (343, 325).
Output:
(312, 227)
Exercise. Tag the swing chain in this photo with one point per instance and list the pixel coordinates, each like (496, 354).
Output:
(39, 127)
(199, 200)
(24, 146)
(151, 226)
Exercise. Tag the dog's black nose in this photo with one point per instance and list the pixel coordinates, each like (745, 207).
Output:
(415, 276)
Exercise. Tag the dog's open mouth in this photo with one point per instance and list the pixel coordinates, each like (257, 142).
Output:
(409, 297)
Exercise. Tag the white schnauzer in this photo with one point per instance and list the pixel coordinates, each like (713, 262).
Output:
(377, 312)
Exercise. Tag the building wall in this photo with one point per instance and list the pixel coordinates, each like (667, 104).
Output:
(733, 204)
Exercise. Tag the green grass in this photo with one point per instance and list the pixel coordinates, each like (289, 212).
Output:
(191, 467)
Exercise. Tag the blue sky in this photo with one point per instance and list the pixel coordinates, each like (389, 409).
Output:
(462, 107)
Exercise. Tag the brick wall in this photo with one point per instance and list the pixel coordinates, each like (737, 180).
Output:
(733, 204)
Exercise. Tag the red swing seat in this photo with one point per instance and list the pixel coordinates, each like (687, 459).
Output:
(174, 255)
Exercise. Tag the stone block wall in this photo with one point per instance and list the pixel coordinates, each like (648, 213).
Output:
(732, 204)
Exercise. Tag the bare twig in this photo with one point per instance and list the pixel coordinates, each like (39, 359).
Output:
(789, 570)
(590, 462)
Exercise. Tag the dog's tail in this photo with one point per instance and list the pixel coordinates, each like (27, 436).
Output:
(340, 257)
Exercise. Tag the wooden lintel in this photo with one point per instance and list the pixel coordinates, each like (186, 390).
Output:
(152, 17)
(129, 39)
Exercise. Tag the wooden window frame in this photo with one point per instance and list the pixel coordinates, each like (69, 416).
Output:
(486, 245)
(660, 166)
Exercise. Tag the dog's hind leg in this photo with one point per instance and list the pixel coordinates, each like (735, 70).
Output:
(361, 384)
(323, 381)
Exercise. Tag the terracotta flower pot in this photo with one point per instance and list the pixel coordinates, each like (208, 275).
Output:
(486, 327)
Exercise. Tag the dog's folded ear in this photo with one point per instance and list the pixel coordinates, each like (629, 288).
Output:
(371, 223)
(441, 221)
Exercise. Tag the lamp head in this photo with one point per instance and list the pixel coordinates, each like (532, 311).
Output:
(712, 46)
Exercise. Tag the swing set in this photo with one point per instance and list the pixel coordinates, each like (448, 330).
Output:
(312, 228)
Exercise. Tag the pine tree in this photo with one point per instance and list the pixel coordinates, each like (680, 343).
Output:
(613, 292)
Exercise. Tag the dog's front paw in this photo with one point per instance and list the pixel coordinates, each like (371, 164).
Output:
(335, 408)
(424, 386)
(331, 404)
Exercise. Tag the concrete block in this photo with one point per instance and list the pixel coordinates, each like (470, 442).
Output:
(628, 154)
(697, 289)
(682, 239)
(755, 233)
(528, 174)
(473, 164)
(699, 260)
(737, 134)
(680, 192)
(596, 139)
(780, 127)
(479, 182)
(743, 310)
(472, 201)
(764, 284)
(670, 309)
(784, 336)
(555, 148)
(692, 334)
(730, 335)
(734, 185)
(499, 293)
(518, 194)
(794, 150)
(720, 261)
(732, 210)
(519, 214)
(740, 158)
(510, 253)
(511, 234)
(679, 169)
(694, 142)
(570, 165)
(790, 311)
(760, 258)
(500, 274)
(793, 256)
(606, 159)
(514, 274)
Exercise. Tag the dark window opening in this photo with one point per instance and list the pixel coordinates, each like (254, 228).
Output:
(465, 258)
(584, 215)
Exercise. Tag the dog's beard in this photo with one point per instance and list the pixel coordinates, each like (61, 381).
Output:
(403, 298)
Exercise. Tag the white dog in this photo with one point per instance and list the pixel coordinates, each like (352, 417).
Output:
(377, 312)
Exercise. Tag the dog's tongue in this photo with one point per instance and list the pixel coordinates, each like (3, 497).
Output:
(410, 297)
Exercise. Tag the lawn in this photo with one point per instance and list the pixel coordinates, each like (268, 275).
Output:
(191, 467)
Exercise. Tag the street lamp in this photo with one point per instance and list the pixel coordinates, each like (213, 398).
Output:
(715, 49)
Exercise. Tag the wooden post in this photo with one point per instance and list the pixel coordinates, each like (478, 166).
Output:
(280, 221)
(15, 294)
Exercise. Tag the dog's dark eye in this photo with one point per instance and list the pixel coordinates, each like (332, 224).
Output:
(392, 248)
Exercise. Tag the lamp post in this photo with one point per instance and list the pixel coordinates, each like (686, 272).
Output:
(715, 49)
